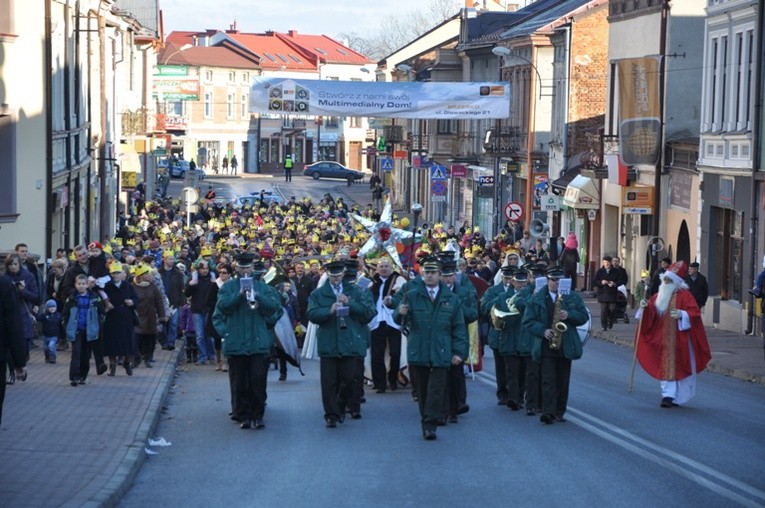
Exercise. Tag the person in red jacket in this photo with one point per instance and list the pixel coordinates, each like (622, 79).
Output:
(672, 344)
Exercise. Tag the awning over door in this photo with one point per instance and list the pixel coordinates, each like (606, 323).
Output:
(582, 193)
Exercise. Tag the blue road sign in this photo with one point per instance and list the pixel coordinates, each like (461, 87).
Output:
(438, 172)
(386, 164)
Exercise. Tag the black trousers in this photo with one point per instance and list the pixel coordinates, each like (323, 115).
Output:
(357, 394)
(250, 378)
(338, 378)
(501, 374)
(607, 310)
(455, 395)
(512, 367)
(556, 374)
(381, 337)
(533, 387)
(431, 384)
(79, 364)
(287, 174)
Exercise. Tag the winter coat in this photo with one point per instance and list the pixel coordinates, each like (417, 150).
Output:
(538, 318)
(198, 293)
(149, 308)
(172, 280)
(51, 323)
(95, 312)
(120, 320)
(28, 298)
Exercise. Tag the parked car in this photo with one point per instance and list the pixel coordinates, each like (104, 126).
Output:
(249, 200)
(330, 169)
(178, 168)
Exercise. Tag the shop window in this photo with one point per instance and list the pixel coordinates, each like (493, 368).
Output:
(7, 167)
(729, 251)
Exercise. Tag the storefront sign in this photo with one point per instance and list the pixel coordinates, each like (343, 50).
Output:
(459, 171)
(637, 200)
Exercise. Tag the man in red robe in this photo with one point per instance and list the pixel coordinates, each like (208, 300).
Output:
(672, 344)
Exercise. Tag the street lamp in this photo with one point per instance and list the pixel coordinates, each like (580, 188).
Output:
(416, 210)
(182, 48)
(508, 56)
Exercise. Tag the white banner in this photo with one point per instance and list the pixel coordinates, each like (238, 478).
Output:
(467, 101)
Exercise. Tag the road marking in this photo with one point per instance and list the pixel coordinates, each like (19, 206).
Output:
(720, 483)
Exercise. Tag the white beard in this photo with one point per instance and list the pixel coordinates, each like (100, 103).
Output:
(663, 297)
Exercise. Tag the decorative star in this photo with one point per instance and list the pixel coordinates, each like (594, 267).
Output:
(383, 235)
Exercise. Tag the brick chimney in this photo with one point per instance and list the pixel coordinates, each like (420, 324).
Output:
(293, 33)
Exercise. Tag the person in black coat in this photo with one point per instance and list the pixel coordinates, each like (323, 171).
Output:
(606, 280)
(697, 285)
(119, 320)
(11, 335)
(656, 279)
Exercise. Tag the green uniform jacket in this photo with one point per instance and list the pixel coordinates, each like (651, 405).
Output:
(536, 320)
(246, 331)
(333, 341)
(438, 329)
(524, 340)
(469, 302)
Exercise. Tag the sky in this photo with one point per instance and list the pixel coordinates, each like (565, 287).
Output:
(306, 16)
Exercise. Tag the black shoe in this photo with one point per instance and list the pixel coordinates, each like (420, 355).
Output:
(547, 419)
(112, 369)
(513, 405)
(530, 412)
(73, 382)
(137, 362)
(128, 369)
(81, 381)
(100, 369)
(560, 419)
(259, 423)
(11, 377)
(245, 424)
(668, 402)
(355, 415)
(429, 435)
(440, 422)
(463, 409)
(452, 419)
(502, 401)
(331, 422)
(283, 377)
(341, 417)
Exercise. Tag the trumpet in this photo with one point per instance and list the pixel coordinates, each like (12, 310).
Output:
(252, 296)
(341, 312)
(558, 327)
(498, 316)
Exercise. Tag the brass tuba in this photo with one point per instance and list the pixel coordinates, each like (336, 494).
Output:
(498, 316)
(558, 327)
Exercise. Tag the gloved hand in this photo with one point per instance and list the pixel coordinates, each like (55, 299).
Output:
(675, 314)
(643, 303)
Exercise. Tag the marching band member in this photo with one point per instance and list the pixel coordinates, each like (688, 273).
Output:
(437, 340)
(341, 313)
(551, 318)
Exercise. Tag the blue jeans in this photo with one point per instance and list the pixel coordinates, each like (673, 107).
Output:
(171, 328)
(204, 343)
(50, 343)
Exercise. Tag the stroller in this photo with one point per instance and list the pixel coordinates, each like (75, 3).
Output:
(620, 312)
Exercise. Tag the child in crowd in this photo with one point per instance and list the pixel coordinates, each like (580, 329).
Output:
(640, 287)
(186, 329)
(82, 321)
(50, 321)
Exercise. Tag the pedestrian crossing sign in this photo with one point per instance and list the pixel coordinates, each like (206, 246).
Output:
(386, 164)
(438, 172)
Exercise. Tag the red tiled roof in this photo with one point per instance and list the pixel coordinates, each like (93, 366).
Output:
(276, 53)
(325, 48)
(290, 51)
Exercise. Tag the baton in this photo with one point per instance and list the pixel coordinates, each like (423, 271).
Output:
(634, 354)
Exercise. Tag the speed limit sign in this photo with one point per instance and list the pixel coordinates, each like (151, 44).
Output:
(514, 211)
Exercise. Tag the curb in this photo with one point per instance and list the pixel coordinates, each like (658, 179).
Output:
(122, 479)
(711, 366)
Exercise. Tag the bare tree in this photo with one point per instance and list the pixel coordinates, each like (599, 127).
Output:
(397, 30)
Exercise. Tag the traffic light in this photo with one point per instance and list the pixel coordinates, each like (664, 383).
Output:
(381, 144)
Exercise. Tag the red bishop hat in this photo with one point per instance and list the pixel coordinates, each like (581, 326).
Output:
(677, 272)
(95, 245)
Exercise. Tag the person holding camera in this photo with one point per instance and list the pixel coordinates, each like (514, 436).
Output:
(342, 314)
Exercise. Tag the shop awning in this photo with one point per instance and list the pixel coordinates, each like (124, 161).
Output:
(128, 158)
(582, 193)
(566, 176)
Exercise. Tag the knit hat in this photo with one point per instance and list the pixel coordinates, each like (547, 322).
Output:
(571, 241)
(50, 303)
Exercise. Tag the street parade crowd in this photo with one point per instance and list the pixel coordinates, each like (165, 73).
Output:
(267, 285)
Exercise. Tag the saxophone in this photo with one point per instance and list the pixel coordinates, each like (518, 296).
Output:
(498, 316)
(558, 327)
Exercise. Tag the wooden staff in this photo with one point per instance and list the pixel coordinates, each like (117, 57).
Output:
(634, 354)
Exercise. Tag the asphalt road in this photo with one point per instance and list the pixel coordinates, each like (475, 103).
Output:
(616, 449)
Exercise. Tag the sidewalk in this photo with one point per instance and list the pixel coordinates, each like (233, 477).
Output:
(734, 355)
(79, 446)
